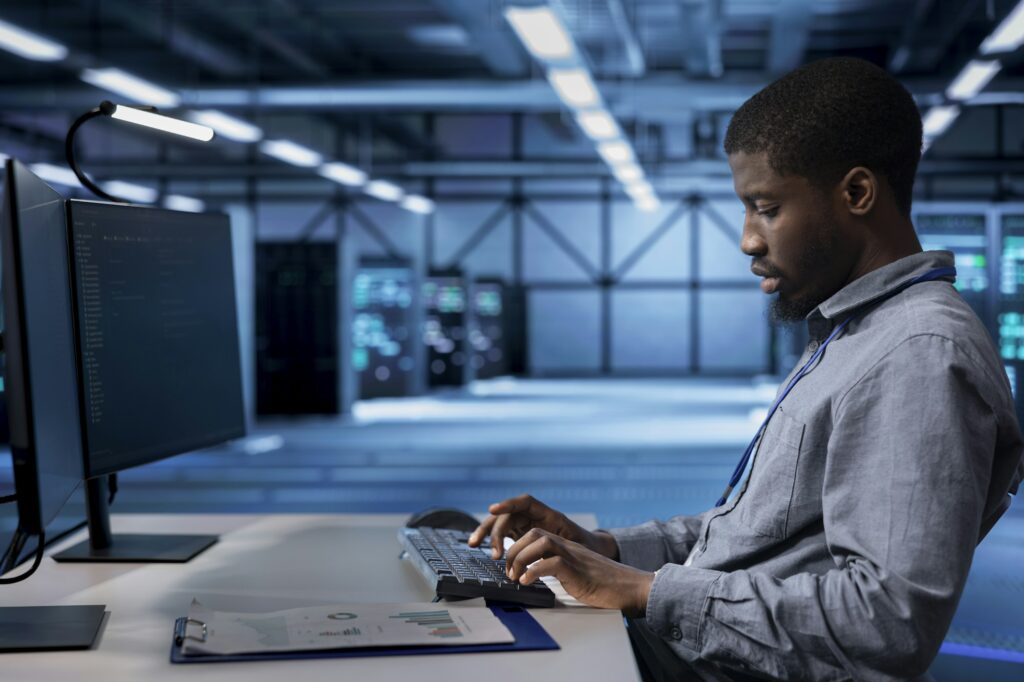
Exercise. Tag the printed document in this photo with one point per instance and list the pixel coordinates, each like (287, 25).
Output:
(343, 626)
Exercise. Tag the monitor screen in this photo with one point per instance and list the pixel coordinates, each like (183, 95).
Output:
(40, 373)
(157, 332)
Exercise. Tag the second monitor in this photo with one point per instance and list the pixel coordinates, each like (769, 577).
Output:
(158, 350)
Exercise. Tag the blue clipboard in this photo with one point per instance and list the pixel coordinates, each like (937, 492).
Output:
(530, 636)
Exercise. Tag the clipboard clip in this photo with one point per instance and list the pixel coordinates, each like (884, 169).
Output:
(181, 630)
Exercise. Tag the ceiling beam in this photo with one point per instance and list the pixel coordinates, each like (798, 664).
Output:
(633, 54)
(655, 98)
(702, 35)
(790, 33)
(474, 169)
(494, 42)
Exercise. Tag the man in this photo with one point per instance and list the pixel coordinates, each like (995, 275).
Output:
(843, 552)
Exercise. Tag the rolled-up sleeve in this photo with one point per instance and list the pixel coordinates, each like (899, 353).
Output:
(651, 545)
(909, 463)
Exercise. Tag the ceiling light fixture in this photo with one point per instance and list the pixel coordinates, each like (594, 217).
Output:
(598, 125)
(227, 126)
(343, 173)
(384, 190)
(1009, 35)
(541, 31)
(178, 202)
(418, 204)
(29, 45)
(616, 152)
(939, 119)
(58, 175)
(132, 87)
(574, 87)
(972, 79)
(129, 190)
(289, 152)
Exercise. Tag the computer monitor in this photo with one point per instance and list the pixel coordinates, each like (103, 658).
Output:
(158, 353)
(42, 394)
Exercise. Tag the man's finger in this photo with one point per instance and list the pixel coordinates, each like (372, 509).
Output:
(483, 529)
(522, 504)
(554, 566)
(498, 533)
(539, 548)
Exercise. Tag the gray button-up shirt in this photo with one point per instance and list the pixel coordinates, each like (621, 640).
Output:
(844, 553)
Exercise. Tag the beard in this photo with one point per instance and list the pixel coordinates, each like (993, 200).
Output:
(815, 260)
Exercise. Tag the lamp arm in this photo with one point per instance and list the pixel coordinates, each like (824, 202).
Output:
(69, 152)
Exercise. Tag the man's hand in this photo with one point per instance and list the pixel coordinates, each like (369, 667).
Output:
(592, 578)
(514, 517)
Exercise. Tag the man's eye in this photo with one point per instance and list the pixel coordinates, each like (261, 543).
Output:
(769, 212)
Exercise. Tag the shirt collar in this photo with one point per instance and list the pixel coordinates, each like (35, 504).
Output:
(874, 285)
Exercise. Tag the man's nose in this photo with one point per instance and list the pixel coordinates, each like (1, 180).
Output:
(752, 243)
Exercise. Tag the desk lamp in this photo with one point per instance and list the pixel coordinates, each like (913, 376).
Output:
(140, 115)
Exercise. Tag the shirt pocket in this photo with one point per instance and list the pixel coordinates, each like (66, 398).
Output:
(765, 505)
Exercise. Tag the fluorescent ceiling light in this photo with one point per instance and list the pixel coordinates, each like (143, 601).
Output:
(132, 87)
(289, 152)
(938, 119)
(598, 125)
(648, 204)
(228, 126)
(972, 79)
(56, 174)
(617, 152)
(639, 190)
(29, 45)
(131, 191)
(178, 202)
(384, 190)
(439, 35)
(627, 172)
(1009, 35)
(343, 173)
(541, 31)
(161, 122)
(574, 88)
(418, 204)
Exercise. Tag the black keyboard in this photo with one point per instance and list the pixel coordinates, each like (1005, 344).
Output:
(455, 569)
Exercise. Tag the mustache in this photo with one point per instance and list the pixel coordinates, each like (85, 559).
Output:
(764, 269)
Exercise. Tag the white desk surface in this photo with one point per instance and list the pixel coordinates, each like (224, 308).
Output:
(266, 563)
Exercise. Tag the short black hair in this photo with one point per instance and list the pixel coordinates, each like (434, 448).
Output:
(829, 116)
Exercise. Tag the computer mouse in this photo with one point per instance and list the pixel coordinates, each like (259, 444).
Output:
(443, 517)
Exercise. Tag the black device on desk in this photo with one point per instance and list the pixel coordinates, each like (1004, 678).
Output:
(158, 353)
(46, 444)
(456, 570)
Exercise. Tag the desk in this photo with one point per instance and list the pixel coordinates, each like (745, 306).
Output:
(266, 563)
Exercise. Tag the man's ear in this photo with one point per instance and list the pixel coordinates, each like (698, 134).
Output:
(860, 190)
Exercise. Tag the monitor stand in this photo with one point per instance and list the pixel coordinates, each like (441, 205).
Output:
(49, 628)
(102, 546)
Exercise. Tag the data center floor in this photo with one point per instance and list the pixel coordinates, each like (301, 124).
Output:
(628, 450)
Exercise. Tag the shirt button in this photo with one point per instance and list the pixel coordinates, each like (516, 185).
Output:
(676, 633)
(812, 346)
